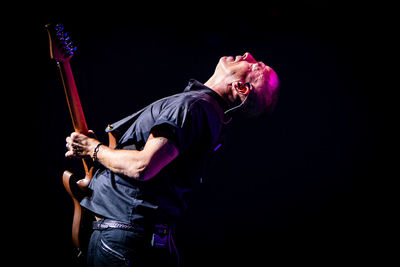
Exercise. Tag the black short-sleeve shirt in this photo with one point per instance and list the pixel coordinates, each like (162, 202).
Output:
(193, 121)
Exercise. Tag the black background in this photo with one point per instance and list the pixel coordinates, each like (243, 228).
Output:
(303, 186)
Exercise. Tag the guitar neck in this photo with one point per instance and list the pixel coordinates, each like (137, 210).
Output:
(74, 103)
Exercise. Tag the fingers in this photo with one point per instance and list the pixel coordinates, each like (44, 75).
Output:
(80, 145)
(75, 138)
(69, 154)
(74, 144)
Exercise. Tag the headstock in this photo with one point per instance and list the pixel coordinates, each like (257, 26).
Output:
(61, 46)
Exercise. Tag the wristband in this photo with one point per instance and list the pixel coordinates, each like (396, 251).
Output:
(96, 149)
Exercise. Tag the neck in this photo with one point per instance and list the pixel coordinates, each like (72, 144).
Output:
(221, 88)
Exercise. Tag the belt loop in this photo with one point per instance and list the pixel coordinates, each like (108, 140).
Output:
(99, 225)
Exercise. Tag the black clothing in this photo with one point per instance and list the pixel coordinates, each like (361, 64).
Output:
(193, 120)
(121, 248)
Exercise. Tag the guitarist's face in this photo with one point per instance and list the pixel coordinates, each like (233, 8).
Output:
(262, 79)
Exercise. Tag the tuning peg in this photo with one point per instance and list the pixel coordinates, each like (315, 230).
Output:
(63, 36)
(60, 36)
(59, 27)
(71, 48)
(71, 51)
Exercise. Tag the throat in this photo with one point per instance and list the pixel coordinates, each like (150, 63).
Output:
(222, 91)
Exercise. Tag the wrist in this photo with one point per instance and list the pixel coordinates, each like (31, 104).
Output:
(95, 151)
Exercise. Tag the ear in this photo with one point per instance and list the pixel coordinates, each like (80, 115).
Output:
(241, 88)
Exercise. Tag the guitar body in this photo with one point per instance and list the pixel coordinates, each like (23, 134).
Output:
(61, 50)
(82, 219)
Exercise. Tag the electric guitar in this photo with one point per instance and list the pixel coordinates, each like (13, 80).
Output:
(61, 50)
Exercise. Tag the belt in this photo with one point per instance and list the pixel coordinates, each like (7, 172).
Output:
(107, 223)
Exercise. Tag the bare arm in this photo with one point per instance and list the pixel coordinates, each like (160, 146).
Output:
(140, 165)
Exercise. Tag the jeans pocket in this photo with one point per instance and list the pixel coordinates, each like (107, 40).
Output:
(111, 251)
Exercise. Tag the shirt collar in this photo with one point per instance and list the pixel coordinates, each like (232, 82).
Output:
(195, 85)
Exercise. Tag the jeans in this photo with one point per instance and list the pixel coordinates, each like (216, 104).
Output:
(117, 247)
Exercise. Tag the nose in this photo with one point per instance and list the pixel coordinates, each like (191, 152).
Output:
(249, 58)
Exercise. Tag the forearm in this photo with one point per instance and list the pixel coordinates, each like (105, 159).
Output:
(130, 163)
(141, 165)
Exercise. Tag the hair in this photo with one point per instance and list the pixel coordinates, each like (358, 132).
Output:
(263, 100)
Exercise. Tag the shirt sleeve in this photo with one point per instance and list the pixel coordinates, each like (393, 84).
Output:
(181, 124)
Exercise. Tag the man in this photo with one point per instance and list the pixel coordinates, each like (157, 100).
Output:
(138, 190)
